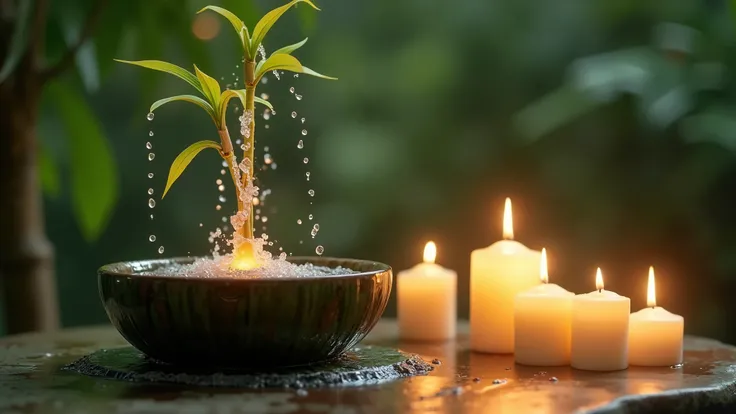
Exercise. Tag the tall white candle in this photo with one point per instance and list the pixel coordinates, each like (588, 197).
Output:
(427, 300)
(600, 330)
(497, 274)
(655, 335)
(542, 318)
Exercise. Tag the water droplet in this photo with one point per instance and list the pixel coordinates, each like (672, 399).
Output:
(264, 219)
(224, 219)
(221, 188)
(316, 226)
(264, 236)
(264, 80)
(221, 198)
(255, 201)
(150, 175)
(264, 96)
(200, 224)
(267, 158)
(218, 207)
(152, 238)
(222, 172)
(298, 97)
(150, 133)
(149, 145)
(150, 191)
(151, 156)
(300, 144)
(304, 132)
(311, 193)
(149, 116)
(306, 160)
(291, 89)
(313, 232)
(238, 141)
(319, 250)
(151, 216)
(161, 250)
(293, 114)
(266, 149)
(311, 216)
(266, 115)
(299, 221)
(307, 174)
(218, 181)
(151, 203)
(266, 126)
(296, 75)
(224, 163)
(273, 166)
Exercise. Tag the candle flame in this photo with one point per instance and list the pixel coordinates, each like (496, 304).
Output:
(543, 267)
(430, 252)
(651, 294)
(508, 222)
(598, 279)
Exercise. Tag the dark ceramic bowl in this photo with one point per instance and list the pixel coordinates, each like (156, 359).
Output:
(244, 323)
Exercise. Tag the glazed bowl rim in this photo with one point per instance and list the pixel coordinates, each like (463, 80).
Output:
(113, 269)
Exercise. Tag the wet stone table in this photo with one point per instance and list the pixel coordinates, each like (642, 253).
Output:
(32, 381)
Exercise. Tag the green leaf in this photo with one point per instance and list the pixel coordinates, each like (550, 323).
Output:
(310, 72)
(169, 68)
(186, 98)
(263, 102)
(287, 50)
(238, 25)
(284, 62)
(267, 21)
(19, 38)
(274, 62)
(48, 172)
(247, 10)
(210, 87)
(94, 179)
(182, 160)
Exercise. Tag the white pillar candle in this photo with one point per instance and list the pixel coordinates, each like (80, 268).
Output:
(600, 330)
(497, 274)
(427, 300)
(655, 335)
(542, 318)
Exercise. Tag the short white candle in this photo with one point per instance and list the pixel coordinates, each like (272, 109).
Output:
(427, 300)
(655, 335)
(542, 318)
(600, 330)
(497, 274)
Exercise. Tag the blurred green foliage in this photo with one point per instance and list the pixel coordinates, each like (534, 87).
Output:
(612, 143)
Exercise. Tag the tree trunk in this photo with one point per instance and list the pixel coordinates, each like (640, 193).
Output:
(27, 284)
